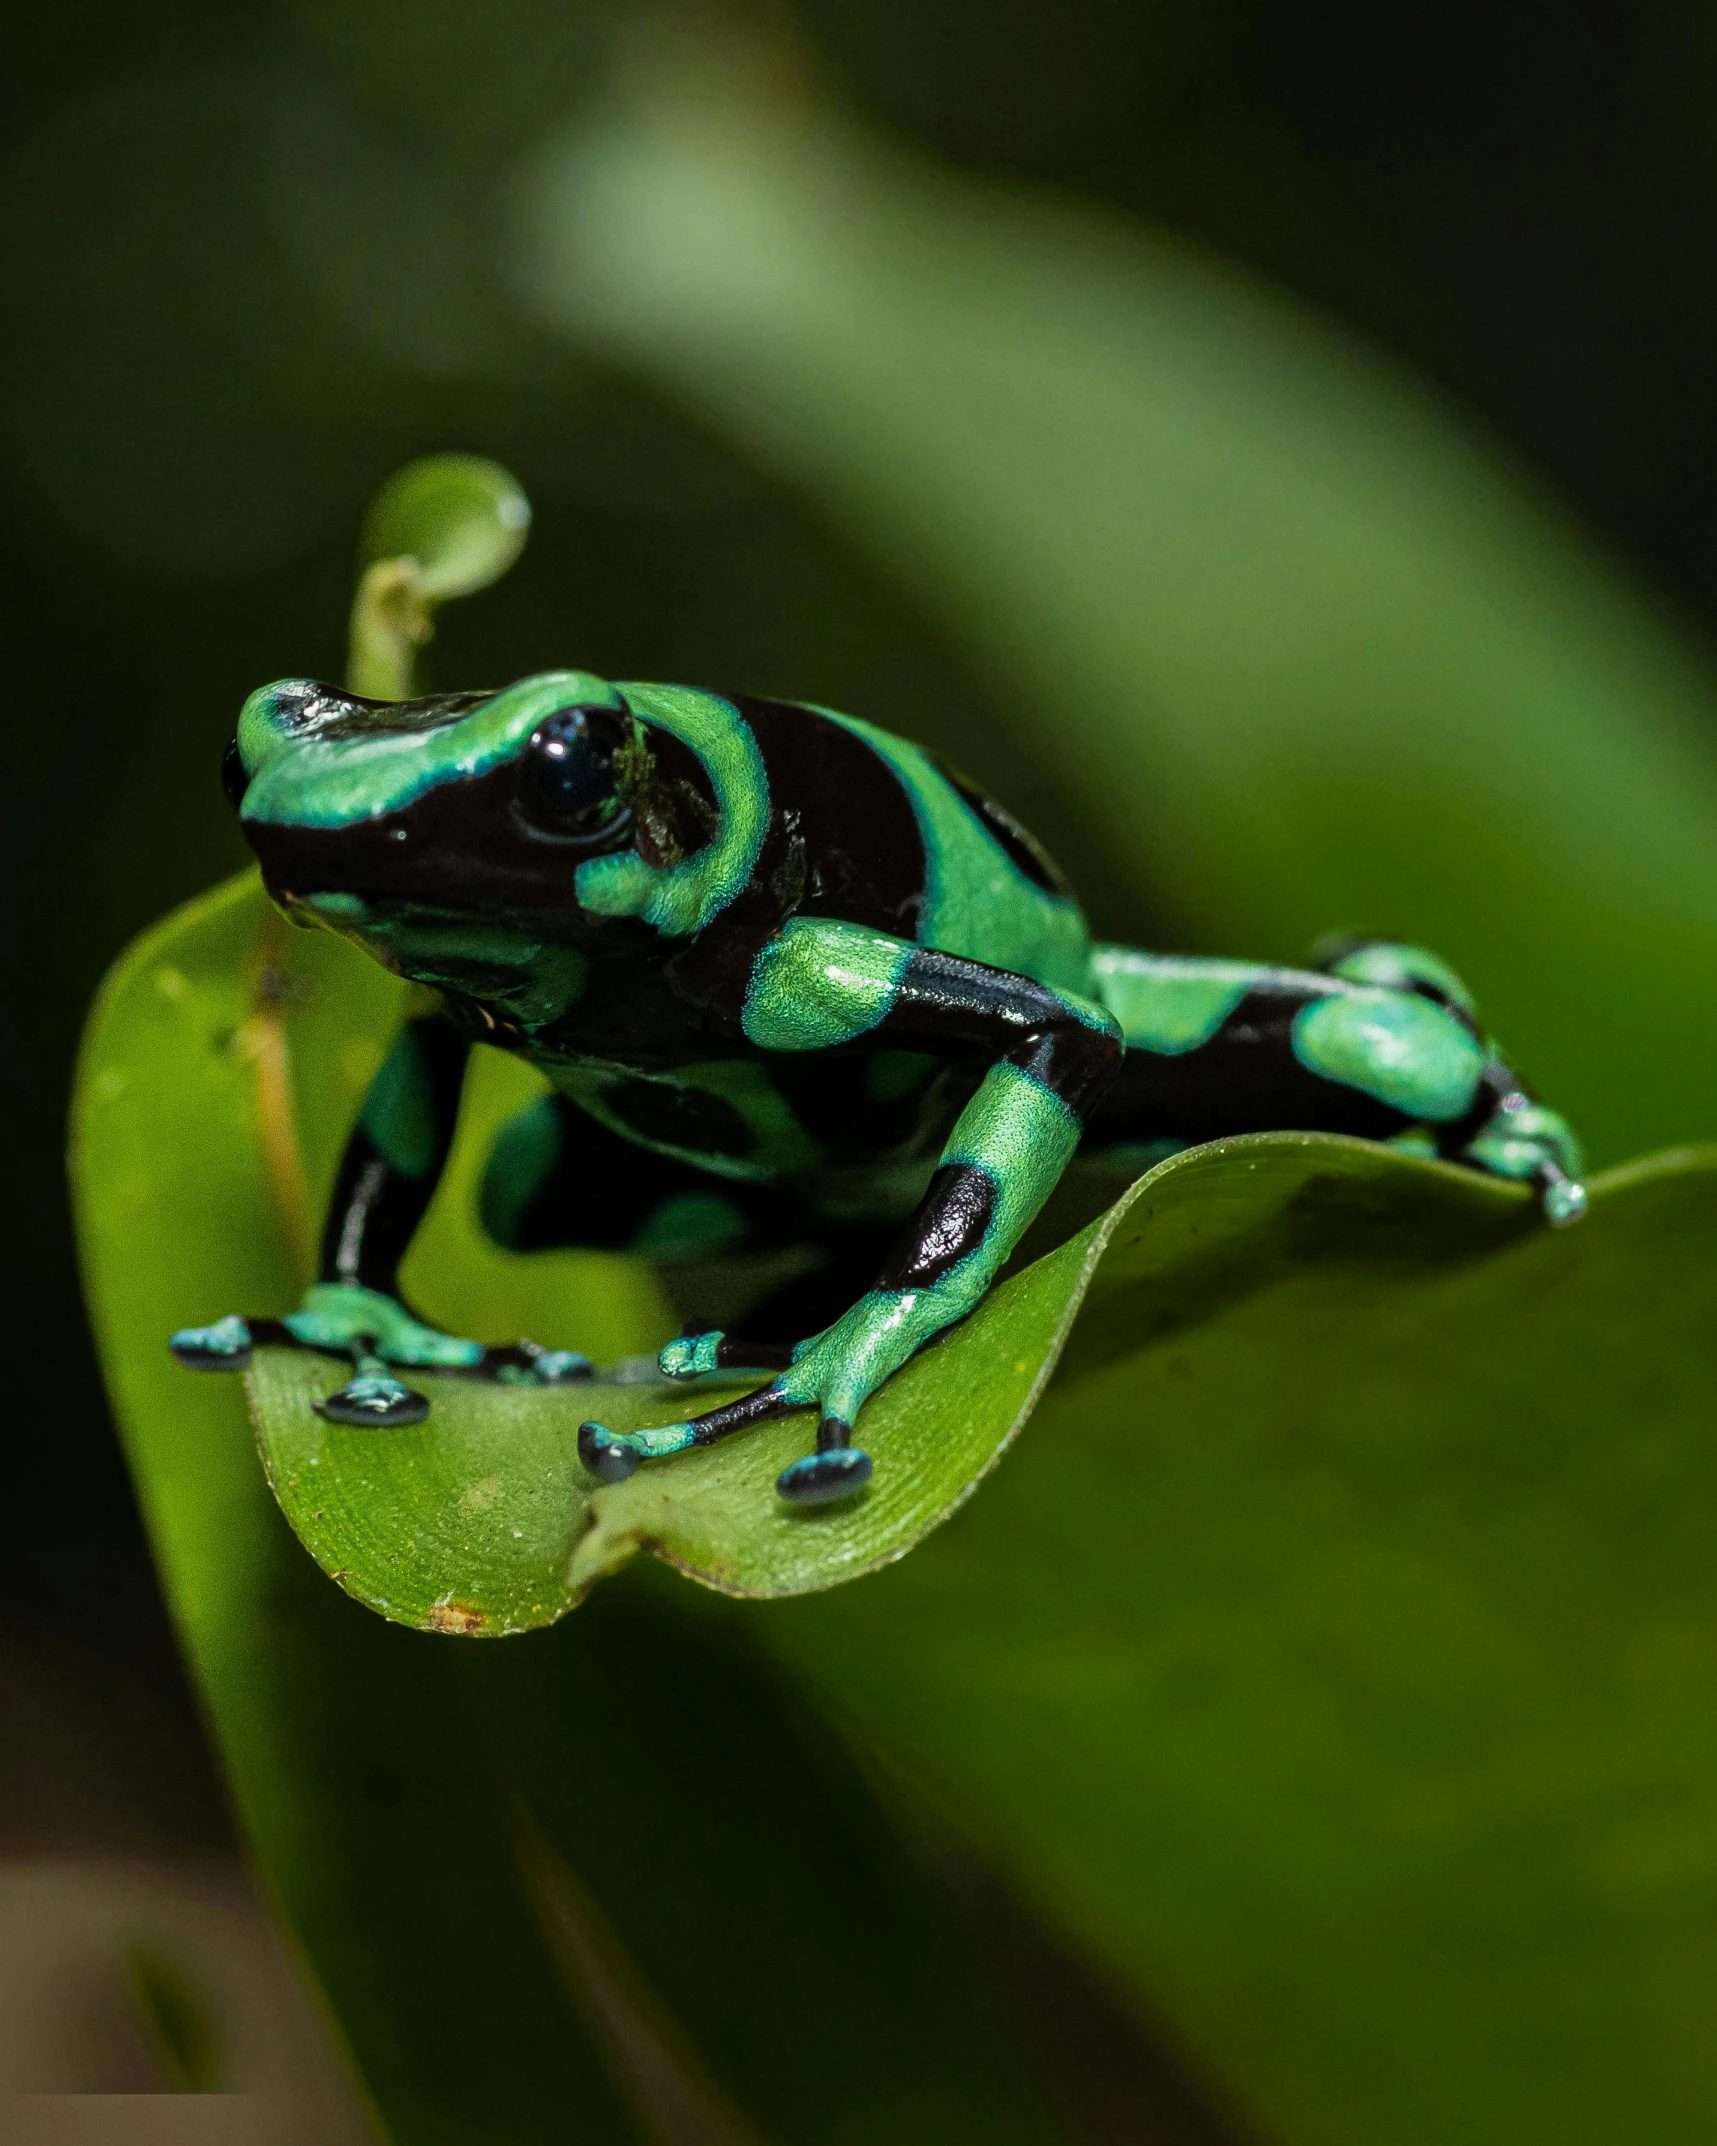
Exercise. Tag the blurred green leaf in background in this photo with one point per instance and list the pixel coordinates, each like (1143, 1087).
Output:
(1306, 655)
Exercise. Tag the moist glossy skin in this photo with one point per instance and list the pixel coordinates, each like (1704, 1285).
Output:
(793, 983)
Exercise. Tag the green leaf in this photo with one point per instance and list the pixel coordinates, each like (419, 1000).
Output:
(1302, 653)
(546, 1888)
(1340, 1659)
(1333, 1656)
(482, 1519)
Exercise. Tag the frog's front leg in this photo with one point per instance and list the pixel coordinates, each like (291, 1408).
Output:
(821, 984)
(387, 1177)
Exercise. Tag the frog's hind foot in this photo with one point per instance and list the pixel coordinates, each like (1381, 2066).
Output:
(1534, 1145)
(528, 1363)
(1563, 1198)
(374, 1399)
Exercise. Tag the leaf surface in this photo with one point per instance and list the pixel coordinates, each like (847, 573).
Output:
(1336, 1656)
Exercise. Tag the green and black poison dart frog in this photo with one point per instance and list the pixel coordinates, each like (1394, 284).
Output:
(793, 983)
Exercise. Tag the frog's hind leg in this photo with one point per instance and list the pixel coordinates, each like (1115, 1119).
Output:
(557, 1179)
(1507, 1133)
(1382, 1041)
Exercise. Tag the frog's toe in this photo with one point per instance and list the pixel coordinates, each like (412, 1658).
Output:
(225, 1346)
(836, 1471)
(1564, 1201)
(375, 1401)
(691, 1355)
(561, 1367)
(610, 1456)
(695, 1355)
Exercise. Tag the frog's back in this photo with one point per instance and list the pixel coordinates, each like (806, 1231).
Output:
(892, 838)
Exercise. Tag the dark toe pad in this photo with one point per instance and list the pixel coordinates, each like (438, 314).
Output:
(375, 1404)
(603, 1454)
(820, 1478)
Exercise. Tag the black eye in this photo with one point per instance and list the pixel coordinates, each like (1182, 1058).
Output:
(566, 773)
(234, 780)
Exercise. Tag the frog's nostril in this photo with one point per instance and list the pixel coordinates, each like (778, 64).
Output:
(300, 703)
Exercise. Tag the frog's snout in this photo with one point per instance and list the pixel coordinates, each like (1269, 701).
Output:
(296, 709)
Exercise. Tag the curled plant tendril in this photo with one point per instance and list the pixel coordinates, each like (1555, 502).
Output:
(444, 526)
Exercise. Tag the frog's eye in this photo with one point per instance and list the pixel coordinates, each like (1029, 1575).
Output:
(234, 780)
(566, 782)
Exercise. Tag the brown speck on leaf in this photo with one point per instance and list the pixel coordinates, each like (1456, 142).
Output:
(276, 989)
(455, 1617)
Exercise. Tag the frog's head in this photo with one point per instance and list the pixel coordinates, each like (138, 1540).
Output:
(482, 841)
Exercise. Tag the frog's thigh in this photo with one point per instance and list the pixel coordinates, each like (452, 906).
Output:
(555, 1178)
(1407, 1052)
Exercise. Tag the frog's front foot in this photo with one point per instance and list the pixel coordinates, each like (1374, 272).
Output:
(225, 1346)
(610, 1456)
(696, 1355)
(835, 1470)
(835, 1373)
(378, 1333)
